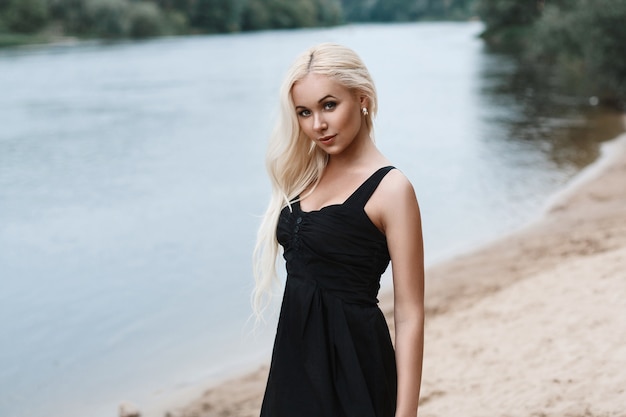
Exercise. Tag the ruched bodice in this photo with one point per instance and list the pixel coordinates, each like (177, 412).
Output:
(332, 355)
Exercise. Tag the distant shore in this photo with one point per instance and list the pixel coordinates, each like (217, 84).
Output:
(530, 324)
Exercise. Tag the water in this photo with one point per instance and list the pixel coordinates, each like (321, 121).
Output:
(132, 181)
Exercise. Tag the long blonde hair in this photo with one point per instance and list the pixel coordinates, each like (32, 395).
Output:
(294, 161)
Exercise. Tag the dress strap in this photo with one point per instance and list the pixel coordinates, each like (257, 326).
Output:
(362, 195)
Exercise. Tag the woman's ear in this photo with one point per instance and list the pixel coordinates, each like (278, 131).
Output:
(364, 101)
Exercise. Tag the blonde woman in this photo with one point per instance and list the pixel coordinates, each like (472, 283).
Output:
(341, 213)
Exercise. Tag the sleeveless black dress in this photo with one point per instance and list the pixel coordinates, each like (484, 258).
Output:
(332, 354)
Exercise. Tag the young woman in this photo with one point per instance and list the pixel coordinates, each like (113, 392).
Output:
(341, 213)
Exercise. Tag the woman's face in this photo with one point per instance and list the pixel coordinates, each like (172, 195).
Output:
(328, 113)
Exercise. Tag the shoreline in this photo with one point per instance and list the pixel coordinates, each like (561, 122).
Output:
(581, 233)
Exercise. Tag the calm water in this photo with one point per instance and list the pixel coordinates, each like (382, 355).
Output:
(132, 179)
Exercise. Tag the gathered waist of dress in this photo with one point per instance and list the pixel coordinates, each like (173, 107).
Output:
(365, 296)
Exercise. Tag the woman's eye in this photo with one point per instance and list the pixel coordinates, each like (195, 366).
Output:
(330, 105)
(304, 113)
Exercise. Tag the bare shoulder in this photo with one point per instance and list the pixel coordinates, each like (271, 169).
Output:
(393, 202)
(396, 189)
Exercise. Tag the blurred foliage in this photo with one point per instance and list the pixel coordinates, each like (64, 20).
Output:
(279, 14)
(215, 15)
(577, 42)
(405, 10)
(584, 40)
(107, 18)
(146, 20)
(24, 16)
(577, 39)
(498, 14)
(113, 19)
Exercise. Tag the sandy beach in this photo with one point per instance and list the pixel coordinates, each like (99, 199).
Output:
(533, 324)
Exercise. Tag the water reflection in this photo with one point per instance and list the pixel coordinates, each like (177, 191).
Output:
(548, 114)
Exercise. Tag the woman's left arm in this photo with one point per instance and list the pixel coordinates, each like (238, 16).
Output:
(403, 229)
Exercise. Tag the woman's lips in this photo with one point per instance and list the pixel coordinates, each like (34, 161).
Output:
(326, 139)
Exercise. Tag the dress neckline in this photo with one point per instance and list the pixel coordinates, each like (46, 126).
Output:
(346, 200)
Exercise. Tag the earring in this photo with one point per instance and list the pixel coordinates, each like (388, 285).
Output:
(364, 111)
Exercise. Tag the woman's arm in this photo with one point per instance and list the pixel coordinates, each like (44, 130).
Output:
(402, 226)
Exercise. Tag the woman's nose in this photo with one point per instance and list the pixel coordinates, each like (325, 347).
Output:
(319, 124)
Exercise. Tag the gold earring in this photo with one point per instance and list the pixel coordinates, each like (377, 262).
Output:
(364, 111)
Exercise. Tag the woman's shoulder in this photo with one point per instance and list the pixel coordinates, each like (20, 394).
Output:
(396, 185)
(396, 196)
(393, 202)
(393, 192)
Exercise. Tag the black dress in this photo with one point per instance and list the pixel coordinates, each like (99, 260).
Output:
(332, 354)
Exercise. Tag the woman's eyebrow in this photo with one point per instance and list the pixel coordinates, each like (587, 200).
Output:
(319, 101)
(325, 97)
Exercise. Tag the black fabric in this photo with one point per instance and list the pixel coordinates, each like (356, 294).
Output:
(332, 354)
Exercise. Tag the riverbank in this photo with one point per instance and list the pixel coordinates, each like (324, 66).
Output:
(530, 324)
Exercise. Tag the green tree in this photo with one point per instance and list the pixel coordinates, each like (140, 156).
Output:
(216, 15)
(4, 4)
(508, 22)
(287, 14)
(507, 13)
(72, 14)
(604, 43)
(179, 5)
(430, 8)
(146, 20)
(25, 16)
(357, 10)
(256, 15)
(584, 40)
(460, 9)
(394, 10)
(329, 12)
(173, 15)
(293, 14)
(108, 18)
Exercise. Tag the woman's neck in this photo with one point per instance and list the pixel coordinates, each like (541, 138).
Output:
(360, 155)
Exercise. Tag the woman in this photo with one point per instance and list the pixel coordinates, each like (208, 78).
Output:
(341, 213)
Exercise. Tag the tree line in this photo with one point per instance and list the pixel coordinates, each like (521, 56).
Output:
(581, 42)
(147, 18)
(576, 39)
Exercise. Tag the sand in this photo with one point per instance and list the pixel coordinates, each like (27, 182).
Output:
(533, 324)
